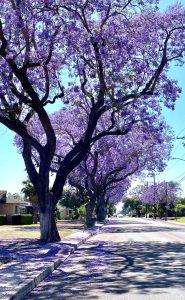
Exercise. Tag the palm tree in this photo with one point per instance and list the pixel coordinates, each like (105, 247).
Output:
(30, 194)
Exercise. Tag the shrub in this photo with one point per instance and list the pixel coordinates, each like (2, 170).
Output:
(68, 218)
(75, 217)
(57, 213)
(22, 219)
(2, 220)
(180, 210)
(82, 212)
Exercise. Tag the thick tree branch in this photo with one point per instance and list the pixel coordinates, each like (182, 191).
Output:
(109, 133)
(18, 127)
(27, 156)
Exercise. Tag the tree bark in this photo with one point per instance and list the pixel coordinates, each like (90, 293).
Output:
(155, 211)
(34, 201)
(101, 210)
(48, 227)
(90, 221)
(101, 213)
(146, 211)
(35, 214)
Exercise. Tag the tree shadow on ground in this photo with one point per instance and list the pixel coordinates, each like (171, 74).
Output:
(116, 269)
(134, 226)
(136, 229)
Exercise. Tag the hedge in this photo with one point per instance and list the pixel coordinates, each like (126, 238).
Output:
(2, 220)
(180, 210)
(22, 219)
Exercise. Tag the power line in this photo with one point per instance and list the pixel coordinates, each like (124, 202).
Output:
(177, 147)
(182, 179)
(181, 131)
(179, 143)
(182, 174)
(169, 168)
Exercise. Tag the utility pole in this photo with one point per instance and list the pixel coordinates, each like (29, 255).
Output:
(154, 187)
(166, 193)
(146, 207)
(154, 196)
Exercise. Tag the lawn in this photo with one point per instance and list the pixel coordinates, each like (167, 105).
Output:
(65, 228)
(180, 220)
(16, 233)
(31, 226)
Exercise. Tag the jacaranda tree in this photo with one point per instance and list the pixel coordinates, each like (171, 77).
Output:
(104, 55)
(112, 161)
(160, 195)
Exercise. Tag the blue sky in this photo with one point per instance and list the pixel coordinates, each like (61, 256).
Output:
(12, 166)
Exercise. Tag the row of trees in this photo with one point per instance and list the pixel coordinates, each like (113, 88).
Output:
(107, 62)
(158, 199)
(105, 174)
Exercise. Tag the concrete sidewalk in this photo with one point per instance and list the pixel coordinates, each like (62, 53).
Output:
(163, 221)
(32, 261)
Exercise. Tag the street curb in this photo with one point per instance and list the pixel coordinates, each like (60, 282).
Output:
(32, 283)
(164, 221)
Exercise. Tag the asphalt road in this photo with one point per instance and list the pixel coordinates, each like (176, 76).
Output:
(130, 259)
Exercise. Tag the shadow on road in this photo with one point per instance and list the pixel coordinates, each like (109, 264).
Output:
(110, 268)
(134, 226)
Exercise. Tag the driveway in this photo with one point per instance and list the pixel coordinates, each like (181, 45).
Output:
(130, 259)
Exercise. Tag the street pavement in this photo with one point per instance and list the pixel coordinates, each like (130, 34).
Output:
(129, 259)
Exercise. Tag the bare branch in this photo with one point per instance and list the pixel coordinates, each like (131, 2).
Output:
(51, 47)
(3, 40)
(27, 156)
(106, 17)
(61, 95)
(46, 73)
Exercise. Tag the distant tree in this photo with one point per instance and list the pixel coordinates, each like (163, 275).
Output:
(14, 196)
(28, 189)
(71, 198)
(30, 194)
(161, 196)
(181, 201)
(132, 205)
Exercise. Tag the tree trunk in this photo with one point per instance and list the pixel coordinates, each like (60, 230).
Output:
(146, 210)
(166, 213)
(90, 221)
(48, 228)
(155, 212)
(101, 210)
(101, 213)
(35, 214)
(34, 200)
(47, 200)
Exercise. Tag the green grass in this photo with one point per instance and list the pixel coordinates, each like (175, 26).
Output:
(20, 226)
(21, 234)
(180, 220)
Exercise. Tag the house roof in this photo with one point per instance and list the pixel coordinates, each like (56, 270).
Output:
(11, 201)
(2, 192)
(3, 195)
